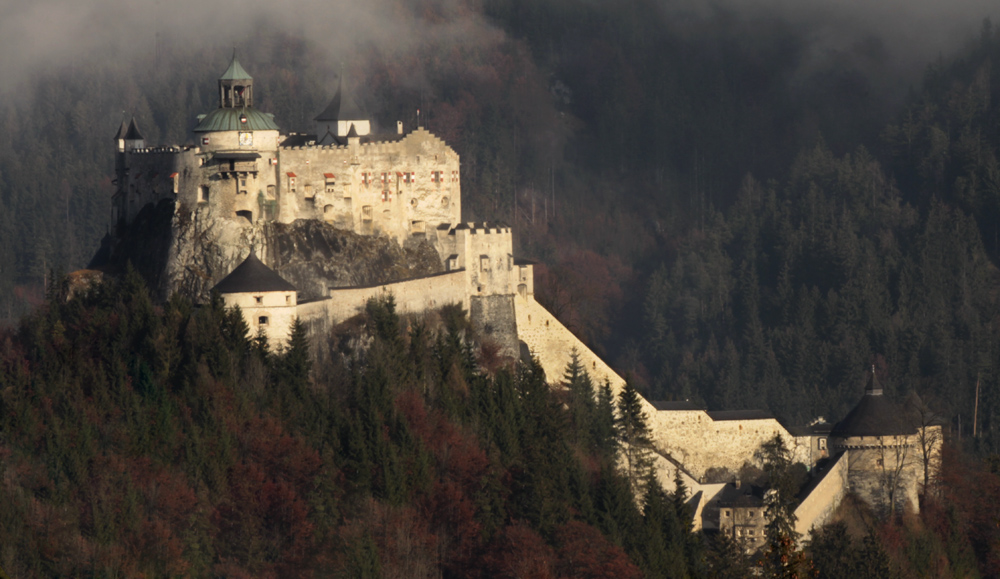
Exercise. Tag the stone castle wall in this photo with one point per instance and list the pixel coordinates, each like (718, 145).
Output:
(411, 297)
(878, 465)
(700, 443)
(690, 437)
(399, 188)
(552, 343)
(493, 317)
(818, 506)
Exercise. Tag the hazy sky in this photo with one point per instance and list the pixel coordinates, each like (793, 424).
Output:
(38, 34)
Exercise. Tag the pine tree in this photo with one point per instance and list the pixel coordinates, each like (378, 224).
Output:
(602, 427)
(581, 399)
(780, 558)
(633, 436)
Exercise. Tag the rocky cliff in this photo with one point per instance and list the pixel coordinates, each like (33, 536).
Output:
(181, 250)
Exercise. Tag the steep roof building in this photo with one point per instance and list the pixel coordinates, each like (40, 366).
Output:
(267, 300)
(341, 118)
(887, 451)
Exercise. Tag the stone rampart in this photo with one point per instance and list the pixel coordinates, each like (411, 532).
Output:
(411, 296)
(493, 317)
(824, 498)
(691, 437)
(552, 343)
(699, 442)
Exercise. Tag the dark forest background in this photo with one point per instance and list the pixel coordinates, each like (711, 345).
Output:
(719, 214)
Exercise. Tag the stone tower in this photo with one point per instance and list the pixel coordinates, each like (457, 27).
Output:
(266, 299)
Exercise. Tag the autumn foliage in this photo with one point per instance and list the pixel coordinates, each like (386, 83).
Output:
(160, 440)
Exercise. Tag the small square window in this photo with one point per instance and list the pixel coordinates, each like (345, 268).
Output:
(259, 299)
(288, 300)
(262, 320)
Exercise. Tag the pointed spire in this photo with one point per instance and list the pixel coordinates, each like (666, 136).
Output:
(235, 71)
(873, 388)
(121, 130)
(133, 133)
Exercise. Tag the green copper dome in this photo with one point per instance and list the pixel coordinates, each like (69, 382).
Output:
(229, 120)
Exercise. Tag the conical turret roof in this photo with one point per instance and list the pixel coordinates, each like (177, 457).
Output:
(253, 276)
(121, 131)
(874, 415)
(235, 71)
(133, 133)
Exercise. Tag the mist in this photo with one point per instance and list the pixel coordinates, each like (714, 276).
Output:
(37, 37)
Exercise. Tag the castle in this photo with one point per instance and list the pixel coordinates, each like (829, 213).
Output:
(244, 173)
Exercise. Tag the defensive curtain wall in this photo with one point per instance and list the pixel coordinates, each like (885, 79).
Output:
(824, 498)
(693, 437)
(412, 297)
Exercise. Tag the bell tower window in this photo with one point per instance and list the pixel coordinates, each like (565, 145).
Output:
(235, 87)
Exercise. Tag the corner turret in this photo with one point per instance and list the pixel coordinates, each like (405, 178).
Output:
(266, 300)
(133, 138)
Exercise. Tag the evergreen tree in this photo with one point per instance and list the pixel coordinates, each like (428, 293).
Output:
(602, 427)
(632, 434)
(582, 404)
(780, 558)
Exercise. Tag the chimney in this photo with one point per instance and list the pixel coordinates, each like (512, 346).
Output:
(399, 127)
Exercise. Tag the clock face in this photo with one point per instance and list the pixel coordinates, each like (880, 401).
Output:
(246, 139)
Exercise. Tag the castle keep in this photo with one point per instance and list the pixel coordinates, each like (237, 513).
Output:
(243, 168)
(243, 177)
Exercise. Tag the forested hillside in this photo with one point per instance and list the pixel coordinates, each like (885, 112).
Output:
(144, 440)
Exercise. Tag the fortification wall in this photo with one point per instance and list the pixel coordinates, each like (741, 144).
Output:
(411, 296)
(689, 436)
(493, 317)
(878, 467)
(313, 315)
(489, 258)
(817, 507)
(700, 443)
(552, 343)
